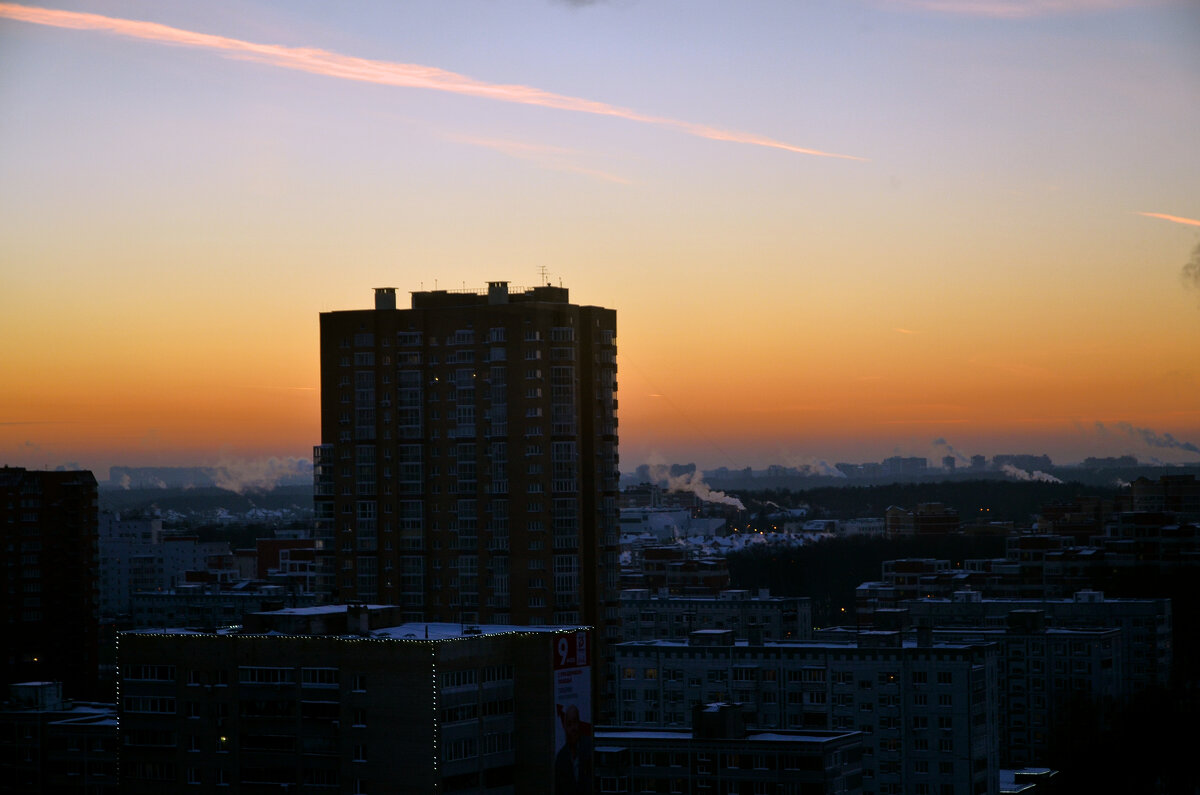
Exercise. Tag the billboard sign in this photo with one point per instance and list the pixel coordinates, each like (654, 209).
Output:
(573, 713)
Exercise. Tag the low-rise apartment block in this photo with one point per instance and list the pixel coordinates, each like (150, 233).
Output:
(647, 615)
(719, 755)
(343, 699)
(929, 713)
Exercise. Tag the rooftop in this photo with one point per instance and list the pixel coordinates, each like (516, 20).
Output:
(409, 631)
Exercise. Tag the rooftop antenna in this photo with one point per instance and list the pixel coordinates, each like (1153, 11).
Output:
(542, 273)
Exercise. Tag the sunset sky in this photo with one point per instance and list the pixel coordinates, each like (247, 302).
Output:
(832, 231)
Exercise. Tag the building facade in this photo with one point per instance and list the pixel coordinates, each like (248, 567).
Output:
(50, 744)
(48, 589)
(468, 464)
(718, 755)
(646, 615)
(928, 713)
(1146, 625)
(336, 699)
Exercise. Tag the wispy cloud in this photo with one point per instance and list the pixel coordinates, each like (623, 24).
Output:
(1011, 9)
(1174, 218)
(556, 158)
(905, 331)
(391, 73)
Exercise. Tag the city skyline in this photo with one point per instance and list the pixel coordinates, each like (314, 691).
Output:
(834, 232)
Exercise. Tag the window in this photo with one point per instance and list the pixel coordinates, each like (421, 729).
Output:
(465, 678)
(360, 753)
(265, 676)
(150, 704)
(156, 673)
(945, 678)
(319, 677)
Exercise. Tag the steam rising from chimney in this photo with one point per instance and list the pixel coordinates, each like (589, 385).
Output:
(693, 482)
(1191, 270)
(940, 444)
(241, 476)
(1021, 474)
(1149, 437)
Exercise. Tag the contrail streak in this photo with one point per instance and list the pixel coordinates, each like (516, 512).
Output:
(346, 67)
(1175, 218)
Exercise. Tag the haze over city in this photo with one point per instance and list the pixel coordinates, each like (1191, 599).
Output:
(832, 231)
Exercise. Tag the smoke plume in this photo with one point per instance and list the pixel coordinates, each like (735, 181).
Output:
(1148, 437)
(242, 476)
(1020, 474)
(941, 445)
(693, 482)
(813, 467)
(1191, 271)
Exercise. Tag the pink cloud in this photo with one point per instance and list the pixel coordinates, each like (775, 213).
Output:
(1174, 218)
(346, 67)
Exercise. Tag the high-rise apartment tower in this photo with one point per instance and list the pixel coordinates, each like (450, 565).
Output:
(468, 465)
(48, 596)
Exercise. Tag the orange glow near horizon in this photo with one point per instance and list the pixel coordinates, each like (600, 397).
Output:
(177, 208)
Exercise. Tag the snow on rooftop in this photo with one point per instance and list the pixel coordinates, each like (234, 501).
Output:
(409, 631)
(449, 631)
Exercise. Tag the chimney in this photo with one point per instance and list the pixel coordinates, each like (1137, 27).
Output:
(358, 619)
(385, 298)
(925, 633)
(497, 293)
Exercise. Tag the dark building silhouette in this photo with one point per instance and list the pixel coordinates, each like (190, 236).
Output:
(54, 745)
(340, 699)
(468, 464)
(1178, 494)
(48, 590)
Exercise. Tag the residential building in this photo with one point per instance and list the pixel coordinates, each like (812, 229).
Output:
(338, 698)
(54, 745)
(468, 464)
(719, 755)
(928, 518)
(1146, 624)
(650, 615)
(48, 595)
(929, 712)
(678, 569)
(1179, 494)
(199, 605)
(137, 557)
